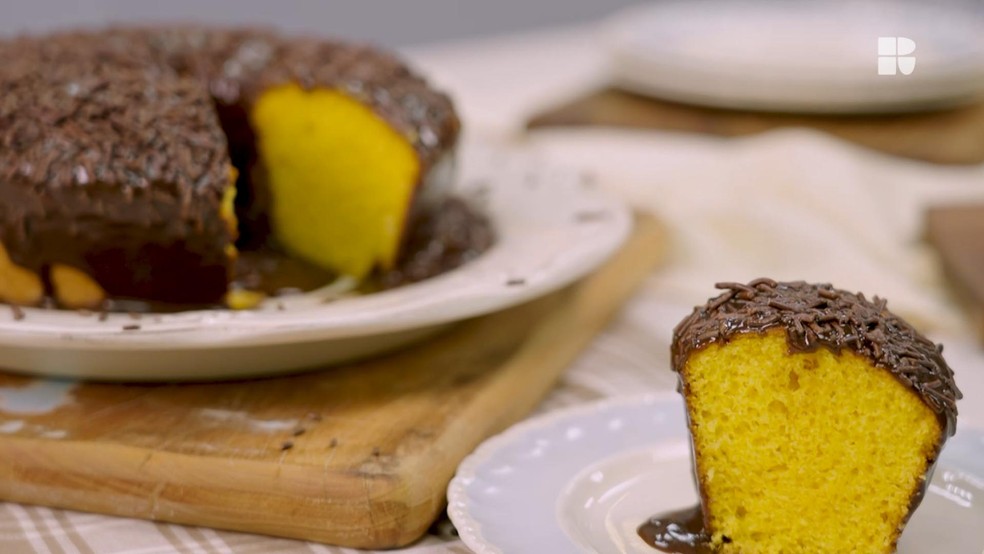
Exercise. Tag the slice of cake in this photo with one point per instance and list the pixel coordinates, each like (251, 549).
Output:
(816, 417)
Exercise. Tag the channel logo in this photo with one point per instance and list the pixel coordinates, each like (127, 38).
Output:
(894, 55)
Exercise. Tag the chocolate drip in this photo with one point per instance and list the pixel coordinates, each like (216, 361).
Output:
(445, 236)
(818, 315)
(439, 238)
(679, 532)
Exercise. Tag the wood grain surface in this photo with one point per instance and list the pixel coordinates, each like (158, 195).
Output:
(952, 136)
(358, 455)
(957, 234)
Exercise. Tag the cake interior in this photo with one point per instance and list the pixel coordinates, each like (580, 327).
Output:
(18, 285)
(774, 432)
(340, 179)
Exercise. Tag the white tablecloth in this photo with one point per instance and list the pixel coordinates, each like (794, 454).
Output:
(791, 204)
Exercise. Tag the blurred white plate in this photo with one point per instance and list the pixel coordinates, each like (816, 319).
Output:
(584, 479)
(798, 56)
(552, 229)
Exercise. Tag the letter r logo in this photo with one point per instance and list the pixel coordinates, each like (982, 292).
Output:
(893, 55)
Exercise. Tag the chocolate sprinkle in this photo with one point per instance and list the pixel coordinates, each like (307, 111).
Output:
(818, 315)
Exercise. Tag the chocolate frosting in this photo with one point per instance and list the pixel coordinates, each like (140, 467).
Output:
(237, 65)
(818, 315)
(110, 166)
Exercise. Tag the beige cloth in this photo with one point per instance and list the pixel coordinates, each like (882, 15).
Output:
(790, 205)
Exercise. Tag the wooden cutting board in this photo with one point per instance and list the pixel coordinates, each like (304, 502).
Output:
(952, 136)
(957, 234)
(356, 456)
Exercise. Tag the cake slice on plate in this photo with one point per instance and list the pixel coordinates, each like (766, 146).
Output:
(816, 417)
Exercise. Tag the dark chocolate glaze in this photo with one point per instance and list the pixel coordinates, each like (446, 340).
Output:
(116, 145)
(239, 64)
(440, 238)
(818, 315)
(678, 532)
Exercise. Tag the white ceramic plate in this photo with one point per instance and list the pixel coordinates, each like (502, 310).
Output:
(552, 228)
(584, 479)
(799, 56)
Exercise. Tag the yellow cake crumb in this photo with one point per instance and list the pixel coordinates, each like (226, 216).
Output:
(74, 289)
(227, 209)
(341, 179)
(18, 285)
(240, 299)
(802, 453)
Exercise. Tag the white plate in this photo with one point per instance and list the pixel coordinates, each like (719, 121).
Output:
(798, 56)
(552, 228)
(584, 479)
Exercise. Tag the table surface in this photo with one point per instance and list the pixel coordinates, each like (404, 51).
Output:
(789, 204)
